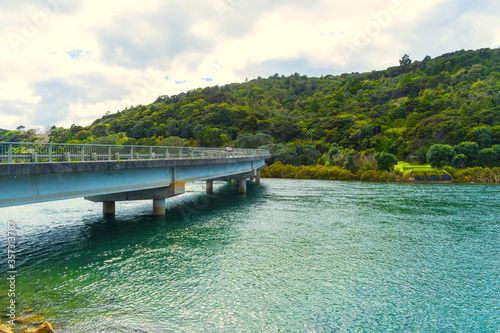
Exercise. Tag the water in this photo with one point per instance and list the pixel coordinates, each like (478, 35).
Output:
(291, 255)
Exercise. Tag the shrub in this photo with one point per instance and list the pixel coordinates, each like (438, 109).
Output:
(345, 175)
(391, 177)
(385, 161)
(370, 175)
(440, 155)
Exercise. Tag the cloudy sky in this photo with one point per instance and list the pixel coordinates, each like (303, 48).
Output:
(71, 61)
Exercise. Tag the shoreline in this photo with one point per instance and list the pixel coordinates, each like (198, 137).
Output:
(476, 175)
(390, 182)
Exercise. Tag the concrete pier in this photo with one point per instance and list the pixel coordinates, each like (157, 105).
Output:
(158, 207)
(243, 185)
(108, 208)
(257, 178)
(210, 187)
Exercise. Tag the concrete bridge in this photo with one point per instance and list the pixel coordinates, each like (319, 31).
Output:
(34, 172)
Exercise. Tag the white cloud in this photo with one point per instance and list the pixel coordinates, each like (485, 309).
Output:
(77, 60)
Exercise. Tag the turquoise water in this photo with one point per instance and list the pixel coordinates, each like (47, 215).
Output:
(289, 256)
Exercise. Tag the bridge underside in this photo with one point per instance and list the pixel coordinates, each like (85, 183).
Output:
(109, 182)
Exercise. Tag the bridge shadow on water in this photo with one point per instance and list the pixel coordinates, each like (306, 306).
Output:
(194, 212)
(86, 261)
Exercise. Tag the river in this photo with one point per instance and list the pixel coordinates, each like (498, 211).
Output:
(290, 255)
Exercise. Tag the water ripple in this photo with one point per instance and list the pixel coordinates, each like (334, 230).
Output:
(300, 256)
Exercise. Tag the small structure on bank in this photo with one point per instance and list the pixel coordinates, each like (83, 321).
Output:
(422, 173)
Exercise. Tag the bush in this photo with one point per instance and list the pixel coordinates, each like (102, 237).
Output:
(391, 177)
(248, 140)
(299, 155)
(385, 161)
(345, 175)
(367, 166)
(440, 155)
(468, 152)
(478, 175)
(459, 161)
(487, 157)
(370, 175)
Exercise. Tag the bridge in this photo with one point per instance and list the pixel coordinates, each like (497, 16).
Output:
(40, 172)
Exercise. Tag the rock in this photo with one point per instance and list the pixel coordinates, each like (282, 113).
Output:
(45, 328)
(30, 320)
(5, 329)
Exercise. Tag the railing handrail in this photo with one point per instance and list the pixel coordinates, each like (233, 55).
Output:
(102, 145)
(74, 152)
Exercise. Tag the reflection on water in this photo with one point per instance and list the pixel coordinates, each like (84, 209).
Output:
(289, 255)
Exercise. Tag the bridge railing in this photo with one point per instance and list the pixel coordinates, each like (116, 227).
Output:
(23, 152)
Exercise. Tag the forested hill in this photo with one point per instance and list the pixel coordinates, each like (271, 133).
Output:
(449, 99)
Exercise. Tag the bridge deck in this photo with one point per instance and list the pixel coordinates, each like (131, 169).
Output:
(24, 182)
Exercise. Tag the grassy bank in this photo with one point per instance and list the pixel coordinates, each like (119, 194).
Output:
(476, 175)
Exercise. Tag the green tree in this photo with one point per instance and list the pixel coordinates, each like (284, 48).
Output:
(83, 134)
(487, 157)
(470, 150)
(300, 155)
(405, 61)
(421, 155)
(249, 140)
(141, 129)
(440, 155)
(385, 161)
(173, 141)
(314, 105)
(496, 149)
(459, 161)
(349, 159)
(483, 136)
(59, 135)
(99, 130)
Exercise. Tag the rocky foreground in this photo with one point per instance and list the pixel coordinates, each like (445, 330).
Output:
(46, 327)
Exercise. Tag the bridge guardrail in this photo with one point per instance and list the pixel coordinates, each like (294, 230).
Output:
(24, 152)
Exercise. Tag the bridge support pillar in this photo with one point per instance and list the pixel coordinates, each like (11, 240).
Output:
(210, 186)
(257, 177)
(243, 185)
(108, 208)
(158, 207)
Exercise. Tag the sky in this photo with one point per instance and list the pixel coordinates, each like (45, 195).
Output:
(66, 62)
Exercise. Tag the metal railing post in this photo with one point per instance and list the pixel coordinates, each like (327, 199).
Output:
(109, 153)
(50, 153)
(10, 153)
(83, 153)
